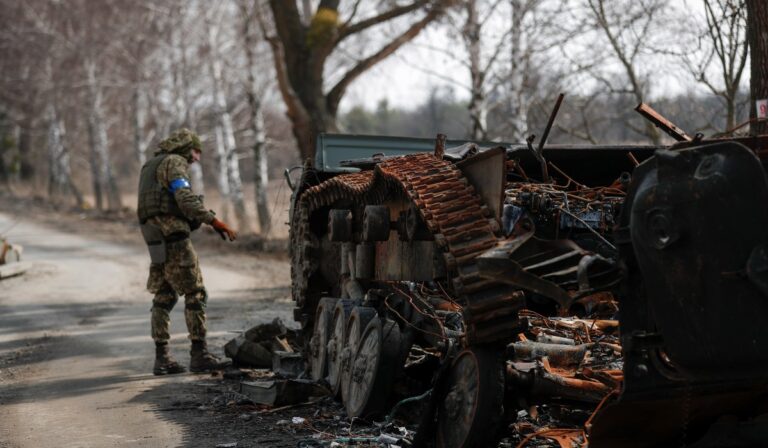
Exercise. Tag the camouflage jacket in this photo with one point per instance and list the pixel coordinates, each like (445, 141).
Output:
(176, 167)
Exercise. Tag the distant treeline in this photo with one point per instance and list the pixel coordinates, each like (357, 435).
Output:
(606, 120)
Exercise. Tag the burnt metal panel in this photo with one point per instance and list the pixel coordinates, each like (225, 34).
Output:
(487, 172)
(405, 260)
(696, 219)
(695, 348)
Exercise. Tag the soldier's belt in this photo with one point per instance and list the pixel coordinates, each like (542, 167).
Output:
(176, 237)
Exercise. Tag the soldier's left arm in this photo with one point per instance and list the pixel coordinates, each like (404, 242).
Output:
(189, 203)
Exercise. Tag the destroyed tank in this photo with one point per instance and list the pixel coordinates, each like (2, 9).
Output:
(582, 295)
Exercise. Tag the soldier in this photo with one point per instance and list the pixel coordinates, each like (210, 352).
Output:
(168, 212)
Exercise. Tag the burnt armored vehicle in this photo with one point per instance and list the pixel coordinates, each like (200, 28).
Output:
(486, 281)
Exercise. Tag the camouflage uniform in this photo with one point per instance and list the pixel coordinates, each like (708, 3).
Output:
(180, 274)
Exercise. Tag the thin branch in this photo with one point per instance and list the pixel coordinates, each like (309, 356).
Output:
(348, 30)
(336, 93)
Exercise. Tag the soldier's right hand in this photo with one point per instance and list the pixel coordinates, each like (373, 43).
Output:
(223, 230)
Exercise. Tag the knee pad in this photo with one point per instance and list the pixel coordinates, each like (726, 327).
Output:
(165, 300)
(196, 301)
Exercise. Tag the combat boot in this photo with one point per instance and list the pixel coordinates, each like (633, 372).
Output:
(203, 361)
(164, 362)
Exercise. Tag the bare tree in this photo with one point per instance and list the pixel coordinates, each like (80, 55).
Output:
(59, 173)
(624, 30)
(535, 28)
(256, 122)
(725, 46)
(225, 133)
(479, 67)
(300, 53)
(757, 34)
(104, 181)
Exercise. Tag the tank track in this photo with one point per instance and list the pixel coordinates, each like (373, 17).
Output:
(462, 225)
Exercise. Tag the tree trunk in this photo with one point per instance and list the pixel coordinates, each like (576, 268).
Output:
(5, 178)
(300, 53)
(60, 181)
(26, 168)
(260, 173)
(757, 36)
(196, 175)
(518, 104)
(478, 108)
(7, 152)
(221, 179)
(138, 126)
(730, 112)
(97, 131)
(226, 137)
(306, 11)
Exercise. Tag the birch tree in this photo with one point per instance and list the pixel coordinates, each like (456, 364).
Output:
(104, 182)
(226, 144)
(507, 43)
(255, 92)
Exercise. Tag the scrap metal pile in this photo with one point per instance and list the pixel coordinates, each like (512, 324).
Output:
(493, 296)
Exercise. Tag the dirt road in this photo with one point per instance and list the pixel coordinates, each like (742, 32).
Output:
(75, 351)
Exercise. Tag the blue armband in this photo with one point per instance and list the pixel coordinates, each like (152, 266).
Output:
(178, 183)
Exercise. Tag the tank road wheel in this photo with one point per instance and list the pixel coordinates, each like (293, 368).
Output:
(358, 320)
(337, 342)
(473, 404)
(319, 341)
(376, 223)
(340, 225)
(373, 368)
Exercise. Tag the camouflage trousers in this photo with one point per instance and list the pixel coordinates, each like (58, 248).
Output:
(179, 275)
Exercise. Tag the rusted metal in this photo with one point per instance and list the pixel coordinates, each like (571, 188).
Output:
(542, 383)
(462, 225)
(633, 159)
(372, 369)
(336, 343)
(358, 320)
(558, 354)
(486, 172)
(550, 122)
(662, 123)
(318, 344)
(454, 281)
(440, 146)
(473, 402)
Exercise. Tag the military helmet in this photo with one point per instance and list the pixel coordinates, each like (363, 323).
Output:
(181, 142)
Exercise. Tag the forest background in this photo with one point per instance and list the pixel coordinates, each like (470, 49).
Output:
(88, 87)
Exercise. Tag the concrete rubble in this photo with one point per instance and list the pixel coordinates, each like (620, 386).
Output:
(260, 346)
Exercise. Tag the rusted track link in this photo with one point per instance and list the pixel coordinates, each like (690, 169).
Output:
(462, 225)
